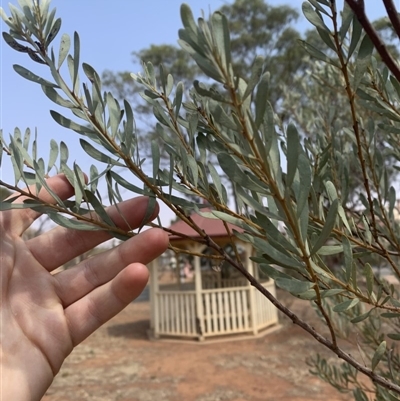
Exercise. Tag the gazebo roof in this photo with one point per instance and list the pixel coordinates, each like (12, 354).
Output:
(213, 227)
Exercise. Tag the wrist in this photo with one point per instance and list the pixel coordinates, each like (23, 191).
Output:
(20, 380)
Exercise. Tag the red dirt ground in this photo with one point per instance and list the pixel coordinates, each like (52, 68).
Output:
(118, 362)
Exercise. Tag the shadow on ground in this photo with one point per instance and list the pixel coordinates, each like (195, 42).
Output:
(134, 330)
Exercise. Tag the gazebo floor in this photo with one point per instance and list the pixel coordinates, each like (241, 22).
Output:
(214, 339)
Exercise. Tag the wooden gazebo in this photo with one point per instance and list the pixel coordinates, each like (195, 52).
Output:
(200, 300)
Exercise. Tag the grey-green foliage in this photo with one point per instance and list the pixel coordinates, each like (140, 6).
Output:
(313, 234)
(256, 28)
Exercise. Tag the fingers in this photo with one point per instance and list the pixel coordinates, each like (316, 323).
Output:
(73, 284)
(60, 245)
(89, 313)
(16, 221)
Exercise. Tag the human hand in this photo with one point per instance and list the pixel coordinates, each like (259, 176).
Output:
(44, 316)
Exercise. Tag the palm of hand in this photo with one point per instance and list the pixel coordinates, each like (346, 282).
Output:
(44, 316)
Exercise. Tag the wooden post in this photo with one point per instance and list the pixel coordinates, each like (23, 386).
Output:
(154, 312)
(199, 298)
(252, 295)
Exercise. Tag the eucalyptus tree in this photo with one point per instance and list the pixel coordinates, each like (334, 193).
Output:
(256, 27)
(295, 214)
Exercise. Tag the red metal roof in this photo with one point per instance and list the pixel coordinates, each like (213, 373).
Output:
(213, 227)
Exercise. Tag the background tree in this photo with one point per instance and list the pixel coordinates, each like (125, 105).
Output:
(295, 217)
(257, 28)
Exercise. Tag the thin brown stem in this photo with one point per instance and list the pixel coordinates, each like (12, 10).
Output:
(393, 15)
(359, 11)
(308, 328)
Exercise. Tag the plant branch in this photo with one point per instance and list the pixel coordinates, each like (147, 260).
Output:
(358, 8)
(378, 379)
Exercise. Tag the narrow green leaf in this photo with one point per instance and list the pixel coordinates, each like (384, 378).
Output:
(50, 21)
(252, 202)
(64, 154)
(178, 97)
(53, 32)
(293, 147)
(293, 286)
(392, 201)
(40, 179)
(378, 355)
(221, 35)
(221, 116)
(16, 160)
(346, 305)
(331, 191)
(369, 275)
(192, 164)
(53, 95)
(114, 112)
(227, 218)
(151, 206)
(97, 155)
(278, 257)
(73, 224)
(234, 172)
(394, 336)
(390, 315)
(155, 152)
(92, 75)
(210, 92)
(170, 85)
(305, 183)
(271, 271)
(14, 44)
(75, 62)
(330, 293)
(348, 257)
(216, 179)
(355, 36)
(27, 138)
(65, 45)
(126, 184)
(314, 52)
(160, 114)
(67, 123)
(359, 395)
(303, 222)
(94, 178)
(7, 205)
(129, 129)
(256, 71)
(313, 17)
(53, 154)
(261, 98)
(30, 76)
(363, 60)
(79, 183)
(8, 20)
(343, 217)
(362, 317)
(347, 18)
(328, 227)
(330, 250)
(99, 208)
(187, 18)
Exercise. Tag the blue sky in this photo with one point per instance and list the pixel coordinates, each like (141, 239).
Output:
(109, 32)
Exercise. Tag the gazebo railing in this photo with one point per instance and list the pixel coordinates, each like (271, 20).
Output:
(226, 311)
(176, 313)
(223, 311)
